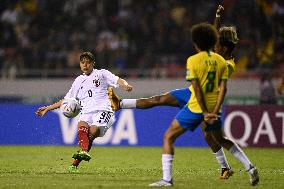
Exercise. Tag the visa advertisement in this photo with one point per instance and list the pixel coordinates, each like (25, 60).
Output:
(258, 126)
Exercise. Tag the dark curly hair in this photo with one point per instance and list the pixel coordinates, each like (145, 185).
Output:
(204, 36)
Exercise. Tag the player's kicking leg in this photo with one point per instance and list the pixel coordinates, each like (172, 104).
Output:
(143, 103)
(114, 99)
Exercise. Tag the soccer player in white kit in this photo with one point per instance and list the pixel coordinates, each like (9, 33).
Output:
(97, 116)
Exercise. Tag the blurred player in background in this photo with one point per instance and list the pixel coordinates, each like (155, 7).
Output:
(280, 85)
(179, 97)
(96, 115)
(208, 74)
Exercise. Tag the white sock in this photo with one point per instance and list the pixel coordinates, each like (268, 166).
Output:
(167, 160)
(241, 156)
(128, 103)
(221, 158)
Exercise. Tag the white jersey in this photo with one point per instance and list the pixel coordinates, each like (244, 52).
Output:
(91, 90)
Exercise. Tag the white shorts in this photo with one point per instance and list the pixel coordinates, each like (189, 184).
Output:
(102, 119)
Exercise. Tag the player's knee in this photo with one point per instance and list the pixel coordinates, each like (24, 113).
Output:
(169, 137)
(82, 124)
(225, 142)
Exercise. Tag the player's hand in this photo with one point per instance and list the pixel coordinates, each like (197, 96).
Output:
(210, 121)
(219, 10)
(41, 111)
(210, 116)
(127, 88)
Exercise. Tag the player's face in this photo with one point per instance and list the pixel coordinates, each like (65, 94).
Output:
(86, 66)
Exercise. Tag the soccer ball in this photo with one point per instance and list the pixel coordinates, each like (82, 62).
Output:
(70, 107)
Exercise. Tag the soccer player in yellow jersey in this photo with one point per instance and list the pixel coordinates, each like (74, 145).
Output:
(207, 68)
(208, 74)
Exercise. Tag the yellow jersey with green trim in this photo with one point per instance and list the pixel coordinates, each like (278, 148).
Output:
(209, 69)
(231, 66)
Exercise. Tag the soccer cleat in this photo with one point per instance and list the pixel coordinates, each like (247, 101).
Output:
(76, 156)
(226, 173)
(72, 169)
(114, 99)
(254, 177)
(161, 183)
(82, 155)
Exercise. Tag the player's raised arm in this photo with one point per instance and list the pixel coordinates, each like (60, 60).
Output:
(43, 110)
(217, 21)
(124, 85)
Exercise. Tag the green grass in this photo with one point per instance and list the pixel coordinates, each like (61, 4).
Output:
(131, 167)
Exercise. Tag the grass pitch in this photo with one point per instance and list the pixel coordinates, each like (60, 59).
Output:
(131, 167)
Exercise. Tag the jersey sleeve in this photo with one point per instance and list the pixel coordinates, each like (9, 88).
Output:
(111, 78)
(231, 67)
(190, 70)
(225, 72)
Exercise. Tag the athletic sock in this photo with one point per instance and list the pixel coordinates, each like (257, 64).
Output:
(221, 158)
(167, 160)
(83, 138)
(241, 156)
(128, 103)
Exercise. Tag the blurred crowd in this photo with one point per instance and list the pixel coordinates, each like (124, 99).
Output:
(144, 38)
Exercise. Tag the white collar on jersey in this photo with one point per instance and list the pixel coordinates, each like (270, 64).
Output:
(90, 73)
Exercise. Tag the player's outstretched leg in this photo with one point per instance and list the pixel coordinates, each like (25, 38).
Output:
(114, 99)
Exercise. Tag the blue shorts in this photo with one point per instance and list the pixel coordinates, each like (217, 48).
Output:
(190, 121)
(182, 96)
